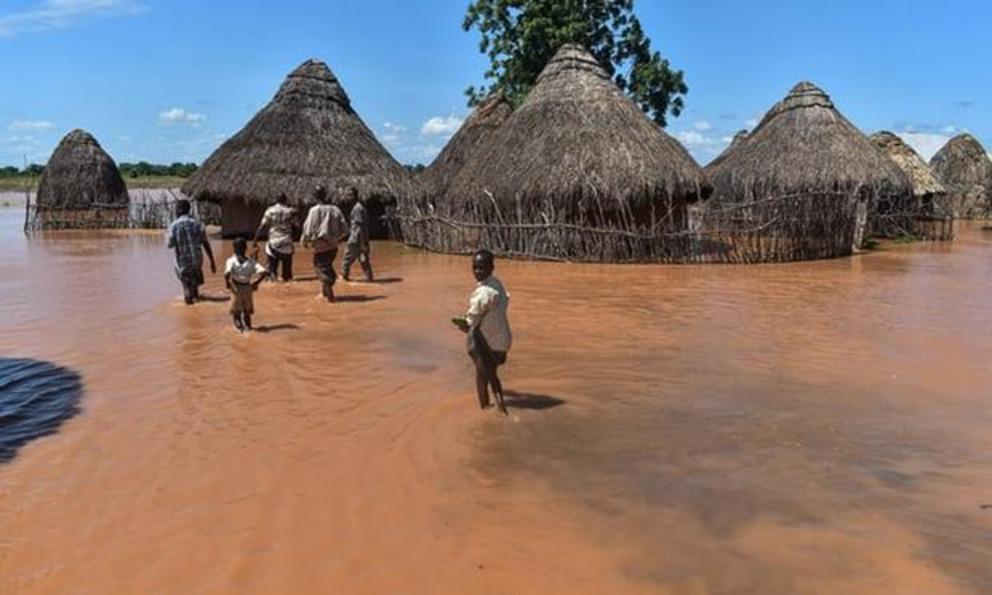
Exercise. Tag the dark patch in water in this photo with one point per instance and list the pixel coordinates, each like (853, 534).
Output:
(35, 398)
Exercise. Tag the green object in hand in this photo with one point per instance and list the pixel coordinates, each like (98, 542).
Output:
(459, 322)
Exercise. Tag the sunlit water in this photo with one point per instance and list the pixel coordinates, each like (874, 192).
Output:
(813, 427)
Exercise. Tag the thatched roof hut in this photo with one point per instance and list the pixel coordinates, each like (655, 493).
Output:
(475, 132)
(307, 135)
(926, 187)
(81, 176)
(572, 170)
(735, 142)
(806, 153)
(963, 166)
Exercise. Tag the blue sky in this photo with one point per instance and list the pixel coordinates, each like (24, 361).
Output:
(166, 81)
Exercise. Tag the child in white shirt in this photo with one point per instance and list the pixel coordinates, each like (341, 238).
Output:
(238, 273)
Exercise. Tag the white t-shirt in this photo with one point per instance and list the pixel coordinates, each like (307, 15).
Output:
(487, 308)
(242, 271)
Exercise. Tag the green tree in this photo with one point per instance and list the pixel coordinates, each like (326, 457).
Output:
(520, 36)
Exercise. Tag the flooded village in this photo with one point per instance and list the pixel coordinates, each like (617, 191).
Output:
(765, 373)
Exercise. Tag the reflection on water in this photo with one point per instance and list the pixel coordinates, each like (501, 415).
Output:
(35, 398)
(811, 427)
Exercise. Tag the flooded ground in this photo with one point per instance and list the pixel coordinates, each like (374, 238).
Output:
(815, 427)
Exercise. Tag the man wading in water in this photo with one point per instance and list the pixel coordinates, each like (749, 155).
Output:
(357, 247)
(279, 219)
(488, 328)
(324, 228)
(189, 239)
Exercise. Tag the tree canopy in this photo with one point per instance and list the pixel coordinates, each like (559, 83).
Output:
(521, 36)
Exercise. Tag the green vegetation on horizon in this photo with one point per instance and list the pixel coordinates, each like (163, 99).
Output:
(21, 183)
(521, 36)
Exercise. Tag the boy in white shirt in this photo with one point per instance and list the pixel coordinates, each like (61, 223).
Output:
(488, 328)
(238, 273)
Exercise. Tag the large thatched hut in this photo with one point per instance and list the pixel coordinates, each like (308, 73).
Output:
(929, 194)
(81, 187)
(475, 132)
(308, 135)
(805, 181)
(963, 166)
(577, 172)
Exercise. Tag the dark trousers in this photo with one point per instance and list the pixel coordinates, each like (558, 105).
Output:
(191, 279)
(359, 252)
(323, 263)
(274, 258)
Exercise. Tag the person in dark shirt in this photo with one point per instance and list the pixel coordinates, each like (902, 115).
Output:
(189, 239)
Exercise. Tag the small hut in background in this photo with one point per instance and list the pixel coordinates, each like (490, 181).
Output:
(964, 168)
(933, 211)
(577, 172)
(308, 135)
(81, 188)
(475, 132)
(802, 185)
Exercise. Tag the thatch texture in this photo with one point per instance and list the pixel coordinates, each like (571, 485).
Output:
(475, 132)
(804, 147)
(81, 176)
(577, 172)
(735, 142)
(308, 135)
(925, 183)
(963, 166)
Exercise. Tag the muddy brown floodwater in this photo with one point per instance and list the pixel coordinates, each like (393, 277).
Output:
(808, 428)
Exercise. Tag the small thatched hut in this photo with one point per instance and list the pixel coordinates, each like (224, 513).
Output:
(307, 135)
(806, 180)
(577, 172)
(735, 142)
(81, 187)
(475, 132)
(963, 166)
(929, 194)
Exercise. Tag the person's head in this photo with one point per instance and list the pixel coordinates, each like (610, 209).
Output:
(240, 246)
(183, 207)
(320, 195)
(483, 263)
(353, 195)
(282, 199)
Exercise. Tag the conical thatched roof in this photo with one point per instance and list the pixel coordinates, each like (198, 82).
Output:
(963, 166)
(923, 178)
(80, 175)
(580, 143)
(475, 132)
(307, 135)
(735, 142)
(803, 144)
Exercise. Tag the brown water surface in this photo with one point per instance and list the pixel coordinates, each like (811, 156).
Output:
(808, 428)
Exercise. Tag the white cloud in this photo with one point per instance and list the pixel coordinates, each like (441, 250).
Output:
(178, 115)
(441, 126)
(751, 123)
(696, 139)
(949, 130)
(925, 143)
(31, 125)
(703, 126)
(53, 14)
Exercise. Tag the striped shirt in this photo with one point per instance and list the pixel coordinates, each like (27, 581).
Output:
(186, 235)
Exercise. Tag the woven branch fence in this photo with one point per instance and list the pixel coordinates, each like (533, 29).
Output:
(779, 229)
(149, 210)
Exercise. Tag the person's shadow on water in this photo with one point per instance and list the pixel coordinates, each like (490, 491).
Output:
(357, 299)
(268, 328)
(517, 400)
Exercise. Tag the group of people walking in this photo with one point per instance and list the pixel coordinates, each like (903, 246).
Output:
(486, 321)
(323, 229)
